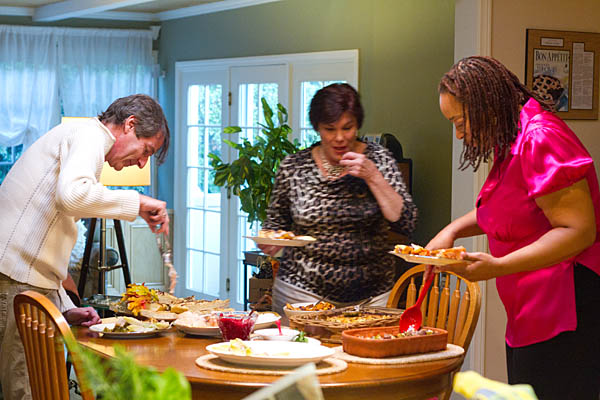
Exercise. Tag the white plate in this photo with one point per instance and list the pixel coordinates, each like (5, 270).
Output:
(428, 260)
(273, 353)
(145, 332)
(198, 331)
(265, 320)
(281, 242)
(287, 334)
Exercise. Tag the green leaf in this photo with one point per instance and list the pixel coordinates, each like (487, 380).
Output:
(233, 144)
(251, 175)
(232, 129)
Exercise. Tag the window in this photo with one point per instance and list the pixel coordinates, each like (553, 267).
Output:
(308, 135)
(8, 156)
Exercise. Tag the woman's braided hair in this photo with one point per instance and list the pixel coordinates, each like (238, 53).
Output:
(491, 96)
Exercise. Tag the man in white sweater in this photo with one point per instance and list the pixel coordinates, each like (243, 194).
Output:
(52, 185)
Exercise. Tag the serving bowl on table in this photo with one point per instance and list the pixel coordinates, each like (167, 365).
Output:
(371, 342)
(236, 325)
(304, 309)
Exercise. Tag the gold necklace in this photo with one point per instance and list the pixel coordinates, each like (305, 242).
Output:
(333, 171)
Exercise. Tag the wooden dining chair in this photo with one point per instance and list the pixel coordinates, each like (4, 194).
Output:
(44, 331)
(452, 304)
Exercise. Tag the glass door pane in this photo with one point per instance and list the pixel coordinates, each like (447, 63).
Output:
(308, 135)
(249, 85)
(204, 121)
(199, 232)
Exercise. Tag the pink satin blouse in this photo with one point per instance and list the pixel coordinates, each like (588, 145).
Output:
(546, 157)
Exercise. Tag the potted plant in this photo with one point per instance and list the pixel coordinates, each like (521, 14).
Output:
(252, 175)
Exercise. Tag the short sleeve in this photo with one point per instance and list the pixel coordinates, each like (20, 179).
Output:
(386, 164)
(552, 159)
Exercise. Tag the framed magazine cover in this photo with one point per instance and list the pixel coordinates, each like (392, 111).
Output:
(563, 67)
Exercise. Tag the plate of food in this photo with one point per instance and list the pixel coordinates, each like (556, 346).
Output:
(306, 308)
(269, 353)
(198, 324)
(420, 255)
(128, 327)
(281, 238)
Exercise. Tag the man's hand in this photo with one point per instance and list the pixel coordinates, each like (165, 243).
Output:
(85, 316)
(155, 214)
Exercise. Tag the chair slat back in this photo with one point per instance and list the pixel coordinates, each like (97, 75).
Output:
(42, 328)
(453, 303)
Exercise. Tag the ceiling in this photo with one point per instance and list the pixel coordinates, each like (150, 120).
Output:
(129, 10)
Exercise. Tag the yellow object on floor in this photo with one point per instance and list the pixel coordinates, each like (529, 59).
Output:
(475, 387)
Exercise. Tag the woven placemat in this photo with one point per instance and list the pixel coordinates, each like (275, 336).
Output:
(209, 361)
(450, 352)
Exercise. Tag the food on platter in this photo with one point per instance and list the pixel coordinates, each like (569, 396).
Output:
(356, 317)
(454, 253)
(387, 341)
(269, 353)
(238, 347)
(137, 297)
(319, 306)
(139, 300)
(307, 308)
(281, 238)
(129, 324)
(395, 335)
(327, 326)
(194, 320)
(281, 234)
(160, 315)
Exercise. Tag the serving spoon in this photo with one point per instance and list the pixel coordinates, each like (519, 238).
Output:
(412, 317)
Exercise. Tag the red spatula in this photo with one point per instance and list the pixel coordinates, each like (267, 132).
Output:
(412, 317)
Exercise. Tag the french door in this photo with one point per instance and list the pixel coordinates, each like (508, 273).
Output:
(215, 225)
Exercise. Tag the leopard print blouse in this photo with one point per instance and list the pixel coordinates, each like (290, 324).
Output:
(349, 260)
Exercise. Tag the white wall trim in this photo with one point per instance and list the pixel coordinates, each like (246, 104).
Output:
(472, 36)
(100, 9)
(209, 8)
(79, 8)
(480, 242)
(124, 16)
(17, 11)
(321, 56)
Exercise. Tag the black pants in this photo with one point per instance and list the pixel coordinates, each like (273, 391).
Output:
(566, 367)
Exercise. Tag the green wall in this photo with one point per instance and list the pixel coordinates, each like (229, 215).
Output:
(404, 48)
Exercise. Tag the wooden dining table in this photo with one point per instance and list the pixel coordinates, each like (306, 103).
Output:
(415, 381)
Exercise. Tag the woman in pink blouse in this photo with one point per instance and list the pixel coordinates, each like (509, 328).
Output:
(539, 208)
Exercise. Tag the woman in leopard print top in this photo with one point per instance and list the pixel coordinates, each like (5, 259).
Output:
(347, 194)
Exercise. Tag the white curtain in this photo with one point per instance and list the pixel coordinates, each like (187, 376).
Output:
(48, 71)
(98, 66)
(28, 84)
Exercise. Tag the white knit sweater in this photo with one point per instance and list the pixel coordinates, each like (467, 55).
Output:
(53, 184)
